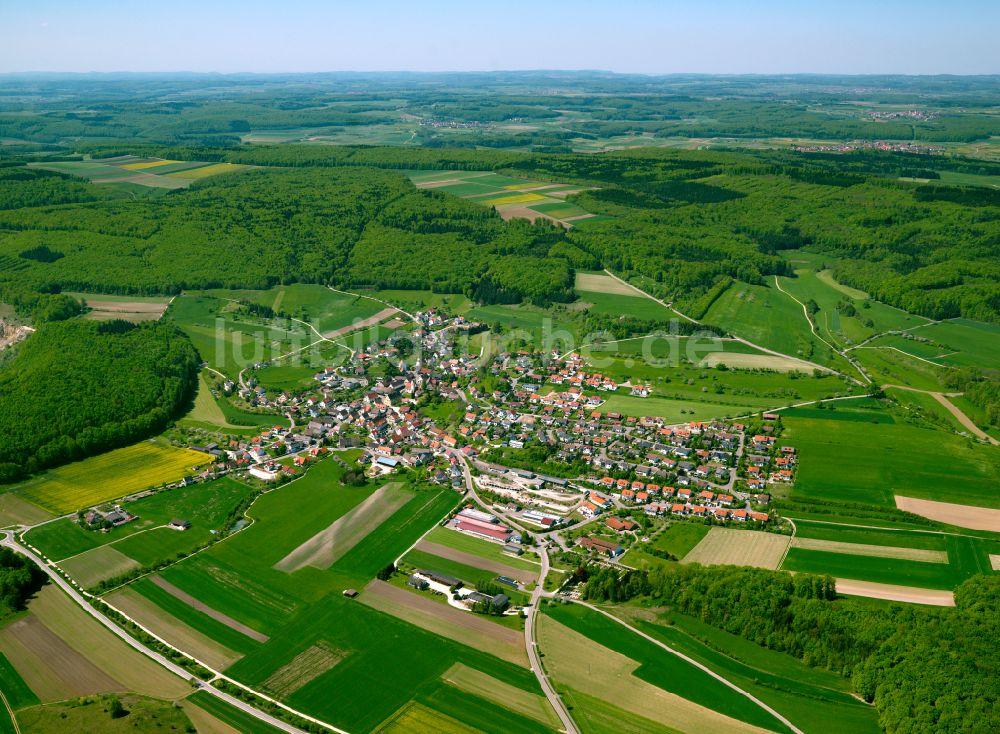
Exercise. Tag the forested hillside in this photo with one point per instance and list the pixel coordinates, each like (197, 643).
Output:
(924, 668)
(78, 387)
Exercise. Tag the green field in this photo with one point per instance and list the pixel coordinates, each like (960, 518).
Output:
(205, 505)
(662, 669)
(17, 692)
(677, 539)
(110, 476)
(867, 568)
(815, 700)
(859, 461)
(234, 717)
(870, 535)
(482, 548)
(673, 411)
(615, 304)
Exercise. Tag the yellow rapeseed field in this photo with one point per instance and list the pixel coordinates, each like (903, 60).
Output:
(515, 199)
(110, 476)
(149, 164)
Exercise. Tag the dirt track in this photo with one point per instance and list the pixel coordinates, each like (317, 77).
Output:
(363, 324)
(204, 608)
(909, 594)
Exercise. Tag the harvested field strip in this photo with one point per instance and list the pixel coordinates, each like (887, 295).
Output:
(88, 637)
(582, 664)
(50, 667)
(173, 630)
(601, 283)
(128, 306)
(94, 566)
(964, 516)
(303, 668)
(415, 718)
(469, 559)
(757, 361)
(204, 608)
(330, 545)
(995, 562)
(892, 592)
(726, 546)
(876, 551)
(503, 694)
(204, 722)
(15, 511)
(362, 323)
(447, 621)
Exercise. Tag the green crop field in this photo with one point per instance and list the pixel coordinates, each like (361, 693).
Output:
(14, 688)
(883, 460)
(110, 476)
(616, 304)
(815, 700)
(475, 546)
(880, 570)
(662, 669)
(870, 535)
(373, 643)
(230, 715)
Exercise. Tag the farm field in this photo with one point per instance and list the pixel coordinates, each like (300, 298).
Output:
(673, 411)
(151, 172)
(232, 717)
(512, 698)
(888, 460)
(59, 651)
(816, 700)
(964, 516)
(94, 566)
(371, 643)
(878, 569)
(678, 539)
(332, 543)
(130, 308)
(109, 476)
(767, 317)
(590, 654)
(483, 548)
(16, 511)
(474, 561)
(205, 505)
(739, 548)
(512, 197)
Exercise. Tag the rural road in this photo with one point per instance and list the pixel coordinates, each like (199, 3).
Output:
(10, 542)
(961, 417)
(531, 645)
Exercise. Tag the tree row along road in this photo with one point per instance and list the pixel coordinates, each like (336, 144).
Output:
(10, 542)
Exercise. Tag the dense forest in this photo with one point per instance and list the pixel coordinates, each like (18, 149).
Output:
(19, 579)
(924, 668)
(80, 387)
(693, 222)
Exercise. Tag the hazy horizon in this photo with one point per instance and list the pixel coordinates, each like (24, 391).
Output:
(894, 37)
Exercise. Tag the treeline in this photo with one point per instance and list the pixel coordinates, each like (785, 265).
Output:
(19, 579)
(979, 390)
(926, 669)
(77, 387)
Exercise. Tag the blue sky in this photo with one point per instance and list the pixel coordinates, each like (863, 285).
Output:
(722, 36)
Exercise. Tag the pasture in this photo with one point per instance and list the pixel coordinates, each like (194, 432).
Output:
(673, 411)
(205, 505)
(677, 539)
(512, 197)
(727, 546)
(588, 654)
(110, 476)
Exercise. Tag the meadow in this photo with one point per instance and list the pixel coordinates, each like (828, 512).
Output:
(888, 459)
(205, 505)
(483, 548)
(677, 539)
(110, 476)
